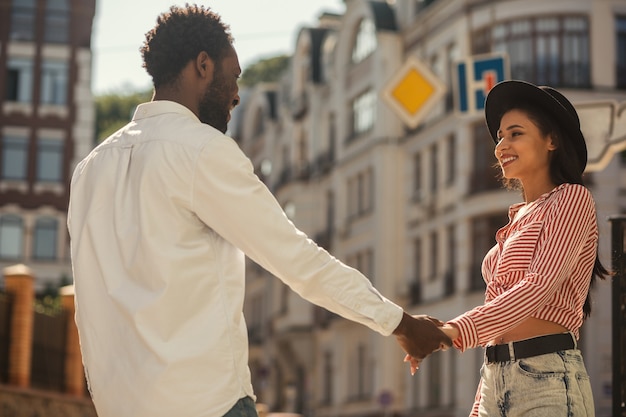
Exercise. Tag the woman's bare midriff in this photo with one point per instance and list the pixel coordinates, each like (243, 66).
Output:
(531, 327)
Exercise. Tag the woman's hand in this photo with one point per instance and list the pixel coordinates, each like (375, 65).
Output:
(451, 330)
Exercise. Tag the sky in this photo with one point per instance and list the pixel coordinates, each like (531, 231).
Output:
(261, 28)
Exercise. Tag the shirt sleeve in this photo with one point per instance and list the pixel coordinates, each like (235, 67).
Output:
(230, 199)
(566, 228)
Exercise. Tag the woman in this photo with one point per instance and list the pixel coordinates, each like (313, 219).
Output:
(539, 273)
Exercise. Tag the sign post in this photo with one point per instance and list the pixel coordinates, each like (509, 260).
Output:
(618, 251)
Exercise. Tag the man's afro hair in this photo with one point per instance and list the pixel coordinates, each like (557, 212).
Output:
(178, 37)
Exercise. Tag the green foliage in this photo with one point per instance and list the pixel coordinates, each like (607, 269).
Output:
(114, 110)
(265, 70)
(49, 305)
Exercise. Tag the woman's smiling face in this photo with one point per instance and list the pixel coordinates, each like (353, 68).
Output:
(523, 151)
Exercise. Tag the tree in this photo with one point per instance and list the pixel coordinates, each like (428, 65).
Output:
(114, 110)
(265, 70)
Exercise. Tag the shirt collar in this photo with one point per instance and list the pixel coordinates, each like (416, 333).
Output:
(159, 107)
(515, 207)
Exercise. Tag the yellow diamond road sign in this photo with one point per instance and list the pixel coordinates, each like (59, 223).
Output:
(413, 91)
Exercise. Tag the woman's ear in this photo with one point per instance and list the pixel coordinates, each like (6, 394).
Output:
(552, 143)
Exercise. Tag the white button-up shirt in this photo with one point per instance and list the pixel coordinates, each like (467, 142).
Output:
(161, 215)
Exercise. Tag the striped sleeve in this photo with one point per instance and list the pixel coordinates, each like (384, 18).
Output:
(562, 244)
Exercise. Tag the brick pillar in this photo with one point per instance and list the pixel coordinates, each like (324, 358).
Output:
(18, 282)
(74, 374)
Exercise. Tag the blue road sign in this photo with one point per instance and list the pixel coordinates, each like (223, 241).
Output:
(475, 76)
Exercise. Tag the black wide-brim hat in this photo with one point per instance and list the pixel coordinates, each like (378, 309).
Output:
(507, 94)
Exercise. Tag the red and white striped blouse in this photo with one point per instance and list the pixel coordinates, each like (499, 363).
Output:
(540, 267)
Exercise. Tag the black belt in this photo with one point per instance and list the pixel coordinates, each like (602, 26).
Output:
(530, 347)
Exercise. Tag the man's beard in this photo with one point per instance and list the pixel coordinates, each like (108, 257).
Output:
(213, 111)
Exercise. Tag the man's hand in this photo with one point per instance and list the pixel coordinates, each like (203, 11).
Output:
(419, 336)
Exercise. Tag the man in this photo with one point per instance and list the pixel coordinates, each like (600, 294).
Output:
(161, 215)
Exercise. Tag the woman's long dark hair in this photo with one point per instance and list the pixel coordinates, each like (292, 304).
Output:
(564, 168)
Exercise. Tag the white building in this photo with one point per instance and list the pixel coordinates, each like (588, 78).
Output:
(415, 209)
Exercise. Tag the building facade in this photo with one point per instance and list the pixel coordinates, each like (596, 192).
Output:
(47, 122)
(415, 209)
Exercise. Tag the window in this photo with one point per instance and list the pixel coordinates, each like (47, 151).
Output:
(620, 26)
(57, 23)
(364, 262)
(417, 177)
(484, 176)
(327, 389)
(50, 160)
(434, 255)
(451, 258)
(45, 244)
(550, 50)
(365, 42)
(434, 380)
(330, 211)
(54, 76)
(361, 193)
(483, 238)
(14, 158)
(11, 237)
(19, 80)
(415, 287)
(363, 113)
(451, 159)
(360, 375)
(417, 259)
(23, 20)
(434, 178)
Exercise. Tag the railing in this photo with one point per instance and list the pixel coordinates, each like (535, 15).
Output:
(618, 265)
(48, 355)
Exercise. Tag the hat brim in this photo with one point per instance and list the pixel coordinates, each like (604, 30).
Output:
(507, 94)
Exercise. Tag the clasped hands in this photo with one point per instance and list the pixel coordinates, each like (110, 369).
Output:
(421, 335)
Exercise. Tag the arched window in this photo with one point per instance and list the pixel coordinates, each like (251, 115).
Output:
(11, 237)
(45, 242)
(365, 41)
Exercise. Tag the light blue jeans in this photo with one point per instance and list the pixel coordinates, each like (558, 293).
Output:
(245, 407)
(551, 385)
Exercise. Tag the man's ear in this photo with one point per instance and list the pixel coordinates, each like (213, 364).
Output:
(204, 65)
